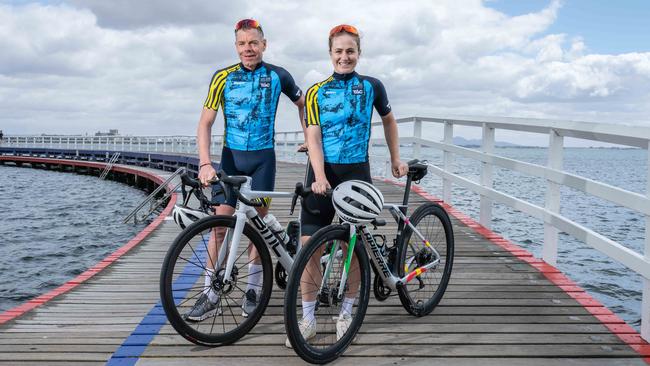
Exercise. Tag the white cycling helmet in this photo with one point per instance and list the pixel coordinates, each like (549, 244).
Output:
(185, 216)
(357, 202)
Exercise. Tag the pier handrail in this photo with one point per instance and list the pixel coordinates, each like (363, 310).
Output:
(553, 173)
(151, 198)
(109, 165)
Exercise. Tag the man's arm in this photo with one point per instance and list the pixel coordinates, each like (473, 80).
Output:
(203, 140)
(300, 103)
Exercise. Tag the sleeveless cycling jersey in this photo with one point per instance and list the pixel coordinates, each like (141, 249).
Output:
(342, 107)
(249, 100)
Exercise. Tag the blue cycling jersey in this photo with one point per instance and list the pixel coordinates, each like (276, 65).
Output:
(342, 107)
(249, 100)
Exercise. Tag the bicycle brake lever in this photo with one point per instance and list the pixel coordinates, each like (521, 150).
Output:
(294, 200)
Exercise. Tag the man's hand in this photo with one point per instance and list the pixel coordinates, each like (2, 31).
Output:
(399, 168)
(206, 174)
(302, 147)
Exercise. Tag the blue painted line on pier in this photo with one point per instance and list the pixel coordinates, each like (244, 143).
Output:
(149, 327)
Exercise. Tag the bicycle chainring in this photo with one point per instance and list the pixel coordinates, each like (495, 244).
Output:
(382, 292)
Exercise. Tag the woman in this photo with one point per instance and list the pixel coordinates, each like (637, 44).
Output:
(339, 113)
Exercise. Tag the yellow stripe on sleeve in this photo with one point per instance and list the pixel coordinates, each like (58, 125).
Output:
(313, 111)
(217, 86)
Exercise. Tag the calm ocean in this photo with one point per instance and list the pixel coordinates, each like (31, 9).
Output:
(56, 225)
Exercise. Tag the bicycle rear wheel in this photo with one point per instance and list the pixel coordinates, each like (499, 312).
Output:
(421, 295)
(231, 312)
(315, 278)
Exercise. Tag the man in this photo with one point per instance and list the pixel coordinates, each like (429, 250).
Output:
(248, 93)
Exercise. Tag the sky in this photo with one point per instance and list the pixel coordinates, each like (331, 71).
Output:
(82, 66)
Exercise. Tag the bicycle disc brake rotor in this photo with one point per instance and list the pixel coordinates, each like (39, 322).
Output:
(220, 286)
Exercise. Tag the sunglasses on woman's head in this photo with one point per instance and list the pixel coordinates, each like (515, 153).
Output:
(344, 28)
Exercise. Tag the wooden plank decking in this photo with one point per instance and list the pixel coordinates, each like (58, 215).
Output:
(498, 309)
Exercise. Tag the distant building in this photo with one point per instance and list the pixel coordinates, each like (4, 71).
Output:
(112, 132)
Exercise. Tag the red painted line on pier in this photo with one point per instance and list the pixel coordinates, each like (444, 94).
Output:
(610, 320)
(111, 258)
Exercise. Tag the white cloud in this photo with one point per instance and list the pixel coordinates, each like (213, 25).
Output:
(144, 67)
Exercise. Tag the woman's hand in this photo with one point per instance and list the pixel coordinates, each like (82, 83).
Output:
(302, 148)
(320, 186)
(399, 168)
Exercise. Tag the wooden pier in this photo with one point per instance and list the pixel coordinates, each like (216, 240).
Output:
(502, 307)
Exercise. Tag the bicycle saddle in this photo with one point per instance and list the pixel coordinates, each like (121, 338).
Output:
(417, 169)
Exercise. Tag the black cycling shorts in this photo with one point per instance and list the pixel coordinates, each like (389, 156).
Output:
(336, 174)
(257, 164)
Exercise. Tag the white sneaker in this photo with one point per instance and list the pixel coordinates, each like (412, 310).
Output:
(342, 325)
(307, 329)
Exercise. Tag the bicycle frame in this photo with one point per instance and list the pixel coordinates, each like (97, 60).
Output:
(249, 213)
(376, 258)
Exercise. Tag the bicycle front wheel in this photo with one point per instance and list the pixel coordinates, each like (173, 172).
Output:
(323, 312)
(421, 295)
(203, 305)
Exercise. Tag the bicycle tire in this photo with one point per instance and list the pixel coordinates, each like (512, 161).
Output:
(310, 350)
(182, 280)
(420, 296)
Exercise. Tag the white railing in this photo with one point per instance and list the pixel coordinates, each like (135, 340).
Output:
(146, 144)
(555, 176)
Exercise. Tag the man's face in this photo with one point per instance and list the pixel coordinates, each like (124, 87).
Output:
(250, 46)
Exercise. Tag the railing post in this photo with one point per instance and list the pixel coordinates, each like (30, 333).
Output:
(417, 133)
(485, 215)
(555, 161)
(447, 159)
(645, 299)
(296, 138)
(285, 145)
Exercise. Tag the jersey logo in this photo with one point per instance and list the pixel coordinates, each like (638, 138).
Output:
(265, 82)
(238, 78)
(357, 89)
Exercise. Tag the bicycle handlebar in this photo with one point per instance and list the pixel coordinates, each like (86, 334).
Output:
(303, 192)
(235, 181)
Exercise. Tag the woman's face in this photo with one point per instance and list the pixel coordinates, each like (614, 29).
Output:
(344, 53)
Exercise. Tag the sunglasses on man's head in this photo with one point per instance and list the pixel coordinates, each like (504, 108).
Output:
(344, 28)
(247, 23)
